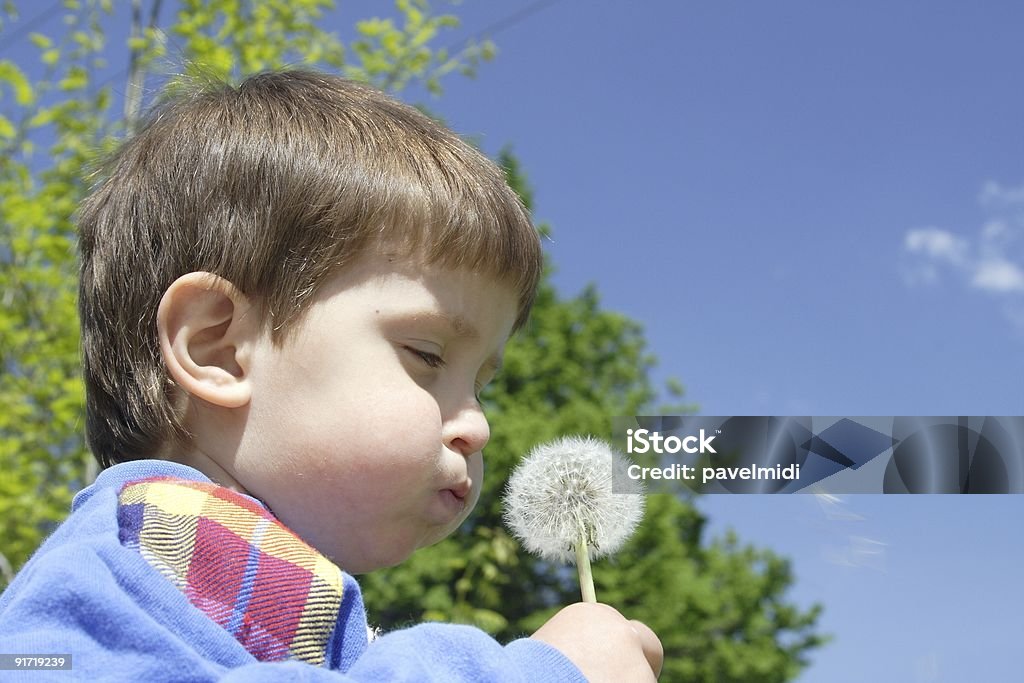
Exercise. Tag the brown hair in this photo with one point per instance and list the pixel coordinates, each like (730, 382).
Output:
(273, 185)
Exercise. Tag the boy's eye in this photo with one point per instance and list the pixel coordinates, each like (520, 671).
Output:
(431, 359)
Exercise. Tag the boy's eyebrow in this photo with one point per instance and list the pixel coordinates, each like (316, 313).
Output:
(465, 329)
(456, 323)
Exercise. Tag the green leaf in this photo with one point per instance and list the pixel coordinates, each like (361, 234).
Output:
(7, 129)
(16, 79)
(40, 41)
(73, 81)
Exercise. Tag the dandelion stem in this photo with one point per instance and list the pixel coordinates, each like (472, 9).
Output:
(583, 567)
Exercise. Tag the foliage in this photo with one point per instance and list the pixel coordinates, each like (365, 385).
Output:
(225, 40)
(41, 447)
(719, 608)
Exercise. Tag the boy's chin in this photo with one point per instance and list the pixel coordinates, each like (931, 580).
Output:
(374, 565)
(365, 565)
(368, 565)
(362, 560)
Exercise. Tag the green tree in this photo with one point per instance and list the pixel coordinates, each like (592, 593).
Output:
(719, 608)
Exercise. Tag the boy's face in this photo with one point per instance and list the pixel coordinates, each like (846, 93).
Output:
(363, 432)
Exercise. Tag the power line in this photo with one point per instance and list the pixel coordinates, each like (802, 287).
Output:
(31, 25)
(511, 20)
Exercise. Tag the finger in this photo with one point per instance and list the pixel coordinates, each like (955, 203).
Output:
(653, 650)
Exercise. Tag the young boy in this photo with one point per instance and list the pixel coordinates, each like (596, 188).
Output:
(291, 295)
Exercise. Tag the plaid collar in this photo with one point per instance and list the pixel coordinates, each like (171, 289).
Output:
(236, 563)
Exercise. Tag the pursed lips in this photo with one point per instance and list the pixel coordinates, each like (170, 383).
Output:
(462, 489)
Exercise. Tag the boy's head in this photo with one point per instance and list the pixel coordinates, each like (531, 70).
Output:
(293, 284)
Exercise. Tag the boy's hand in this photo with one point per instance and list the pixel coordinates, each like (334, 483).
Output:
(603, 644)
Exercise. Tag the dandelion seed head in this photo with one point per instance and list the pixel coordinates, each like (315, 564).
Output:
(565, 486)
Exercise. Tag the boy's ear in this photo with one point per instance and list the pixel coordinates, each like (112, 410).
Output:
(206, 328)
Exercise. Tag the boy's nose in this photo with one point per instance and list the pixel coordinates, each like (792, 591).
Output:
(467, 431)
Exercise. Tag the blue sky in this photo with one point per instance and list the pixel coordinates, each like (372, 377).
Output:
(812, 208)
(791, 198)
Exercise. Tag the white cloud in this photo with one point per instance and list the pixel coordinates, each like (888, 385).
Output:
(996, 231)
(990, 261)
(940, 245)
(995, 195)
(998, 275)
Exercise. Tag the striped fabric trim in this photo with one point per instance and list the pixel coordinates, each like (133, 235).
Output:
(235, 562)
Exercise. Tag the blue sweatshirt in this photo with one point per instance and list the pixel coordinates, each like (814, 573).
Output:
(109, 588)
